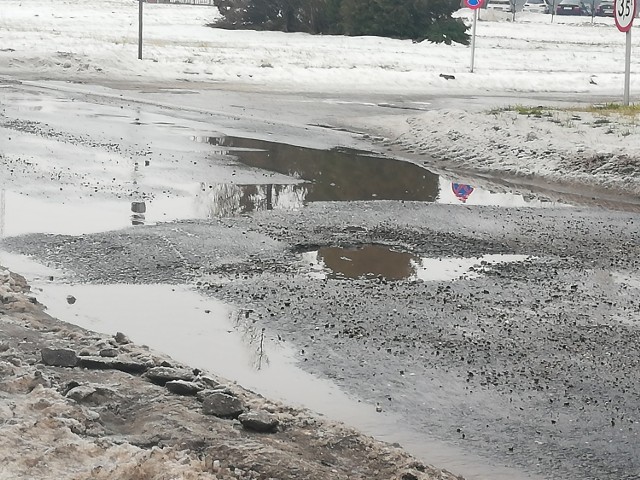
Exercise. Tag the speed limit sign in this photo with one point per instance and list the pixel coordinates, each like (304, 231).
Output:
(624, 10)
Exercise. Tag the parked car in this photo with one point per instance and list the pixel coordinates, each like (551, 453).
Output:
(571, 7)
(536, 6)
(501, 5)
(605, 9)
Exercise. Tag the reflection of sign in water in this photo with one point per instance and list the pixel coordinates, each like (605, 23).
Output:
(462, 191)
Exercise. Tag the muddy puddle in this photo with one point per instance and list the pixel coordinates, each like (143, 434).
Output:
(205, 333)
(384, 262)
(346, 175)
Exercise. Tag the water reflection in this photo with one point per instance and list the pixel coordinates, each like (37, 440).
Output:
(138, 209)
(342, 175)
(335, 175)
(253, 337)
(224, 199)
(462, 191)
(383, 262)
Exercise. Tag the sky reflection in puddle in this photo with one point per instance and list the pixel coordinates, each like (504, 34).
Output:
(379, 261)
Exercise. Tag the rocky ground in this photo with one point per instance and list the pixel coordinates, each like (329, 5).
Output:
(534, 361)
(530, 364)
(79, 405)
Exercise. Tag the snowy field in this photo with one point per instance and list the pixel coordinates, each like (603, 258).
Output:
(97, 40)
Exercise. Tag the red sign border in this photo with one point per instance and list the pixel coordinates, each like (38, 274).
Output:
(474, 7)
(615, 15)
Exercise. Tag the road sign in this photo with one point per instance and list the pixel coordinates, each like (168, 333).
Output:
(624, 12)
(462, 191)
(473, 4)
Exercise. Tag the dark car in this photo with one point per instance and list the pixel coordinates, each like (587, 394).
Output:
(605, 9)
(571, 7)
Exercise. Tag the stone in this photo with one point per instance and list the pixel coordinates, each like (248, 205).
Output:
(121, 338)
(80, 392)
(222, 405)
(162, 375)
(202, 395)
(92, 394)
(59, 357)
(259, 421)
(104, 363)
(208, 381)
(71, 299)
(109, 352)
(182, 387)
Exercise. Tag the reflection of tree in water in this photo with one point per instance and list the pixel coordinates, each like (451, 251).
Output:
(337, 175)
(253, 337)
(224, 200)
(370, 260)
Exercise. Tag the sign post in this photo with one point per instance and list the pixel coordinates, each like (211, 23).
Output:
(625, 11)
(473, 5)
(140, 29)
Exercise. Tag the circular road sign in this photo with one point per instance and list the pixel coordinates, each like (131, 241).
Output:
(625, 11)
(473, 4)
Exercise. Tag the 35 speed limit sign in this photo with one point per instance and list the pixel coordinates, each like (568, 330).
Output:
(625, 10)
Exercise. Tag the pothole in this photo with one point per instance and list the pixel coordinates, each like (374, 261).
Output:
(391, 264)
(341, 175)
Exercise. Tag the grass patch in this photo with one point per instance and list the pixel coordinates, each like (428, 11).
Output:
(538, 111)
(626, 114)
(618, 108)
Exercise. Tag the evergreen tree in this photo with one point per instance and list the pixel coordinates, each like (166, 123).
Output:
(415, 19)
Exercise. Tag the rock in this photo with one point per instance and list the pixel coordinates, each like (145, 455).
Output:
(409, 476)
(71, 299)
(121, 338)
(202, 395)
(259, 421)
(103, 363)
(109, 352)
(92, 394)
(59, 357)
(182, 387)
(207, 381)
(222, 405)
(80, 392)
(162, 375)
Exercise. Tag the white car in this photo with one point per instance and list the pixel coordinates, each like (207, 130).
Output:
(501, 5)
(536, 6)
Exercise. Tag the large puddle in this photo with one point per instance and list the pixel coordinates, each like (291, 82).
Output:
(344, 175)
(383, 262)
(208, 334)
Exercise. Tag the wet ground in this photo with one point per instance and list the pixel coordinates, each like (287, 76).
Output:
(452, 308)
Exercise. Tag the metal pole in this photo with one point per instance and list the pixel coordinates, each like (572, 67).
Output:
(139, 29)
(473, 38)
(627, 68)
